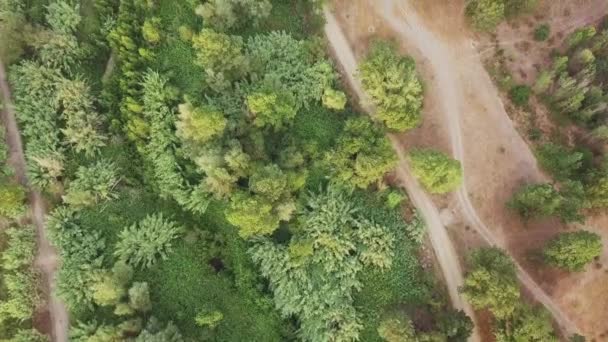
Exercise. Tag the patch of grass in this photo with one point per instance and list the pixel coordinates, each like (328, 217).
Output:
(317, 126)
(185, 284)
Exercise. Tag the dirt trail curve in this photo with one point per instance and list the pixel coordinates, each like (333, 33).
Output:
(443, 57)
(445, 251)
(46, 260)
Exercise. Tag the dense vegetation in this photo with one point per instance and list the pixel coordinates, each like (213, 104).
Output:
(19, 282)
(208, 179)
(492, 284)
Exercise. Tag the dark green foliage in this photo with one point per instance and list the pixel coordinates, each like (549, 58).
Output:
(542, 32)
(520, 94)
(456, 326)
(543, 200)
(394, 87)
(572, 251)
(536, 200)
(563, 163)
(528, 323)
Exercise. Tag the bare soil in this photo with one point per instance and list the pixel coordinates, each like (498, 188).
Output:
(495, 157)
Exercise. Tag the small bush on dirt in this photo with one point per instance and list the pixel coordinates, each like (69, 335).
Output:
(436, 171)
(542, 32)
(520, 94)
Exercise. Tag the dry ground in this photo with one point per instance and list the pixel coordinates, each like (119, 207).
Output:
(496, 158)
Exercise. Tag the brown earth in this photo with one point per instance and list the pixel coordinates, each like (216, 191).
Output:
(495, 157)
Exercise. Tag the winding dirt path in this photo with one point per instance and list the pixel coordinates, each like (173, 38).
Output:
(444, 59)
(46, 260)
(442, 245)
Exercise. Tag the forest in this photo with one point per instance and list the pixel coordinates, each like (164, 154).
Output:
(208, 179)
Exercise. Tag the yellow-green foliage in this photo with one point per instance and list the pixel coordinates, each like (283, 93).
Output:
(435, 170)
(393, 85)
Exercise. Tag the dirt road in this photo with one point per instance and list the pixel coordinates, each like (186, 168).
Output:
(445, 59)
(46, 260)
(444, 250)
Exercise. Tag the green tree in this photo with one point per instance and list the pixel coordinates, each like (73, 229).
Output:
(143, 243)
(220, 53)
(486, 14)
(82, 123)
(397, 329)
(228, 14)
(573, 250)
(151, 30)
(271, 108)
(279, 59)
(492, 282)
(253, 215)
(110, 287)
(561, 162)
(393, 85)
(435, 170)
(333, 99)
(456, 325)
(362, 154)
(198, 125)
(332, 243)
(527, 324)
(536, 200)
(93, 184)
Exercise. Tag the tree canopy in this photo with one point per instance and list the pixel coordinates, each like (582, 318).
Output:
(394, 87)
(435, 170)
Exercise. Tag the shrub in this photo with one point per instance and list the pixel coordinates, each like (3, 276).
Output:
(542, 32)
(145, 242)
(520, 94)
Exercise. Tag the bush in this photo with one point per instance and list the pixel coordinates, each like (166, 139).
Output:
(542, 32)
(12, 200)
(572, 251)
(520, 94)
(435, 170)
